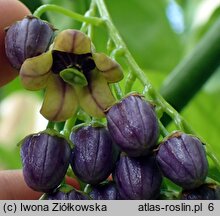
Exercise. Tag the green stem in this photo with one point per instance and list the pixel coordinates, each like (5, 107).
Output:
(50, 7)
(110, 46)
(91, 12)
(118, 91)
(129, 82)
(163, 130)
(150, 91)
(191, 74)
(50, 125)
(136, 70)
(69, 125)
(83, 116)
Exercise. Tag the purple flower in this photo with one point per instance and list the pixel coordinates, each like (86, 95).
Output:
(182, 159)
(204, 192)
(66, 192)
(27, 38)
(94, 154)
(104, 191)
(45, 159)
(133, 125)
(137, 178)
(72, 75)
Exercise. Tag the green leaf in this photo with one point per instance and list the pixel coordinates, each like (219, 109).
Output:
(203, 115)
(147, 32)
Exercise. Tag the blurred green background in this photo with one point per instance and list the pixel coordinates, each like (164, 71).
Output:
(159, 35)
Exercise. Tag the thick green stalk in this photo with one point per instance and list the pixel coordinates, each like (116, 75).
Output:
(192, 72)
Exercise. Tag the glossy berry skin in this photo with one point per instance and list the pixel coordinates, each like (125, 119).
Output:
(27, 38)
(204, 192)
(94, 154)
(137, 178)
(106, 191)
(45, 159)
(133, 125)
(70, 195)
(182, 159)
(11, 11)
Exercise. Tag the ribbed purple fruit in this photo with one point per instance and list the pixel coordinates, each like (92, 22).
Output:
(137, 178)
(133, 125)
(94, 154)
(204, 192)
(105, 191)
(27, 38)
(68, 195)
(182, 159)
(45, 159)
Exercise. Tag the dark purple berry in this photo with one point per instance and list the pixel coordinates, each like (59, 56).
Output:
(137, 178)
(104, 191)
(204, 192)
(27, 38)
(133, 125)
(69, 194)
(45, 159)
(94, 154)
(182, 159)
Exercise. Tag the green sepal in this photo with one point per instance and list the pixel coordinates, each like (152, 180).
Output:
(43, 197)
(88, 188)
(97, 123)
(65, 188)
(86, 124)
(73, 77)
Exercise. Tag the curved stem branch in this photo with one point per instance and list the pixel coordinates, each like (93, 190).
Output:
(50, 7)
(129, 82)
(137, 71)
(91, 12)
(69, 125)
(118, 91)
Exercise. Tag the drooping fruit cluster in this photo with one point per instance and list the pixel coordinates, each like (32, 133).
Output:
(126, 149)
(122, 159)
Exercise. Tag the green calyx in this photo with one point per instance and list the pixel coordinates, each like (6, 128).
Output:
(50, 132)
(73, 77)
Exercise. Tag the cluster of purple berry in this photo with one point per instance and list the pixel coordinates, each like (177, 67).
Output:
(128, 147)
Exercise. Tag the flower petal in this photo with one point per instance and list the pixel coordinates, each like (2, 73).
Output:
(72, 41)
(35, 71)
(73, 77)
(110, 69)
(96, 97)
(60, 102)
